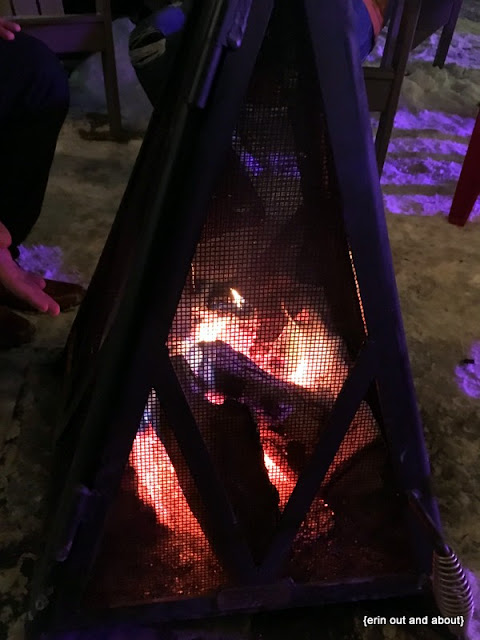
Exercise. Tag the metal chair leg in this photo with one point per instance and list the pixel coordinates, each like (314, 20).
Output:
(446, 35)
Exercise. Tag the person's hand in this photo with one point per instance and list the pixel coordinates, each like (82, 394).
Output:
(5, 237)
(22, 284)
(8, 29)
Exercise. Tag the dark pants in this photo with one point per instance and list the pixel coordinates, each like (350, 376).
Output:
(34, 99)
(363, 29)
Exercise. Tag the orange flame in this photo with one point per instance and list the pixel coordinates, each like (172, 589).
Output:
(284, 481)
(237, 298)
(158, 486)
(238, 333)
(308, 351)
(305, 354)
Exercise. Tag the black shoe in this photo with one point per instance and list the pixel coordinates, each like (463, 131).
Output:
(67, 294)
(15, 331)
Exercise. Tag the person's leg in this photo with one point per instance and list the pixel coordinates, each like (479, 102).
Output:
(34, 98)
(154, 45)
(363, 29)
(34, 101)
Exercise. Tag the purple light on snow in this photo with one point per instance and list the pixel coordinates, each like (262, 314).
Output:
(41, 259)
(468, 373)
(424, 162)
(47, 261)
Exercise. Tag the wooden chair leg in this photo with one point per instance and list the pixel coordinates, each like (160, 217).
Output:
(447, 35)
(395, 9)
(384, 132)
(468, 187)
(399, 63)
(111, 84)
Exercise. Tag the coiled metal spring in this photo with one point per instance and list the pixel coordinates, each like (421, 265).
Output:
(452, 590)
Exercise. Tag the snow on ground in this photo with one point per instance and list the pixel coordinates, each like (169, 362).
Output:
(86, 83)
(433, 125)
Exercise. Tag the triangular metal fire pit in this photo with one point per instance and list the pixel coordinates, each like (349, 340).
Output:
(240, 430)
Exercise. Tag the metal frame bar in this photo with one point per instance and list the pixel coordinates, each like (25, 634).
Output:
(229, 542)
(148, 304)
(244, 600)
(109, 430)
(346, 406)
(350, 138)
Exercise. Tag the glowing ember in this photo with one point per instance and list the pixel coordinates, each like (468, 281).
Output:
(214, 397)
(270, 465)
(320, 518)
(283, 481)
(158, 486)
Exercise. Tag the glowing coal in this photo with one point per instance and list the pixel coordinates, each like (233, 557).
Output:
(158, 486)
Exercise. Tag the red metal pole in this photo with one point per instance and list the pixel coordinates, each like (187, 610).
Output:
(468, 187)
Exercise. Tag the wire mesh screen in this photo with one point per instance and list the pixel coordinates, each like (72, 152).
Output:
(266, 332)
(270, 320)
(355, 528)
(154, 545)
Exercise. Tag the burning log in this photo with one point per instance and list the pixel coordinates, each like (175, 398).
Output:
(303, 428)
(233, 440)
(240, 459)
(221, 368)
(298, 414)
